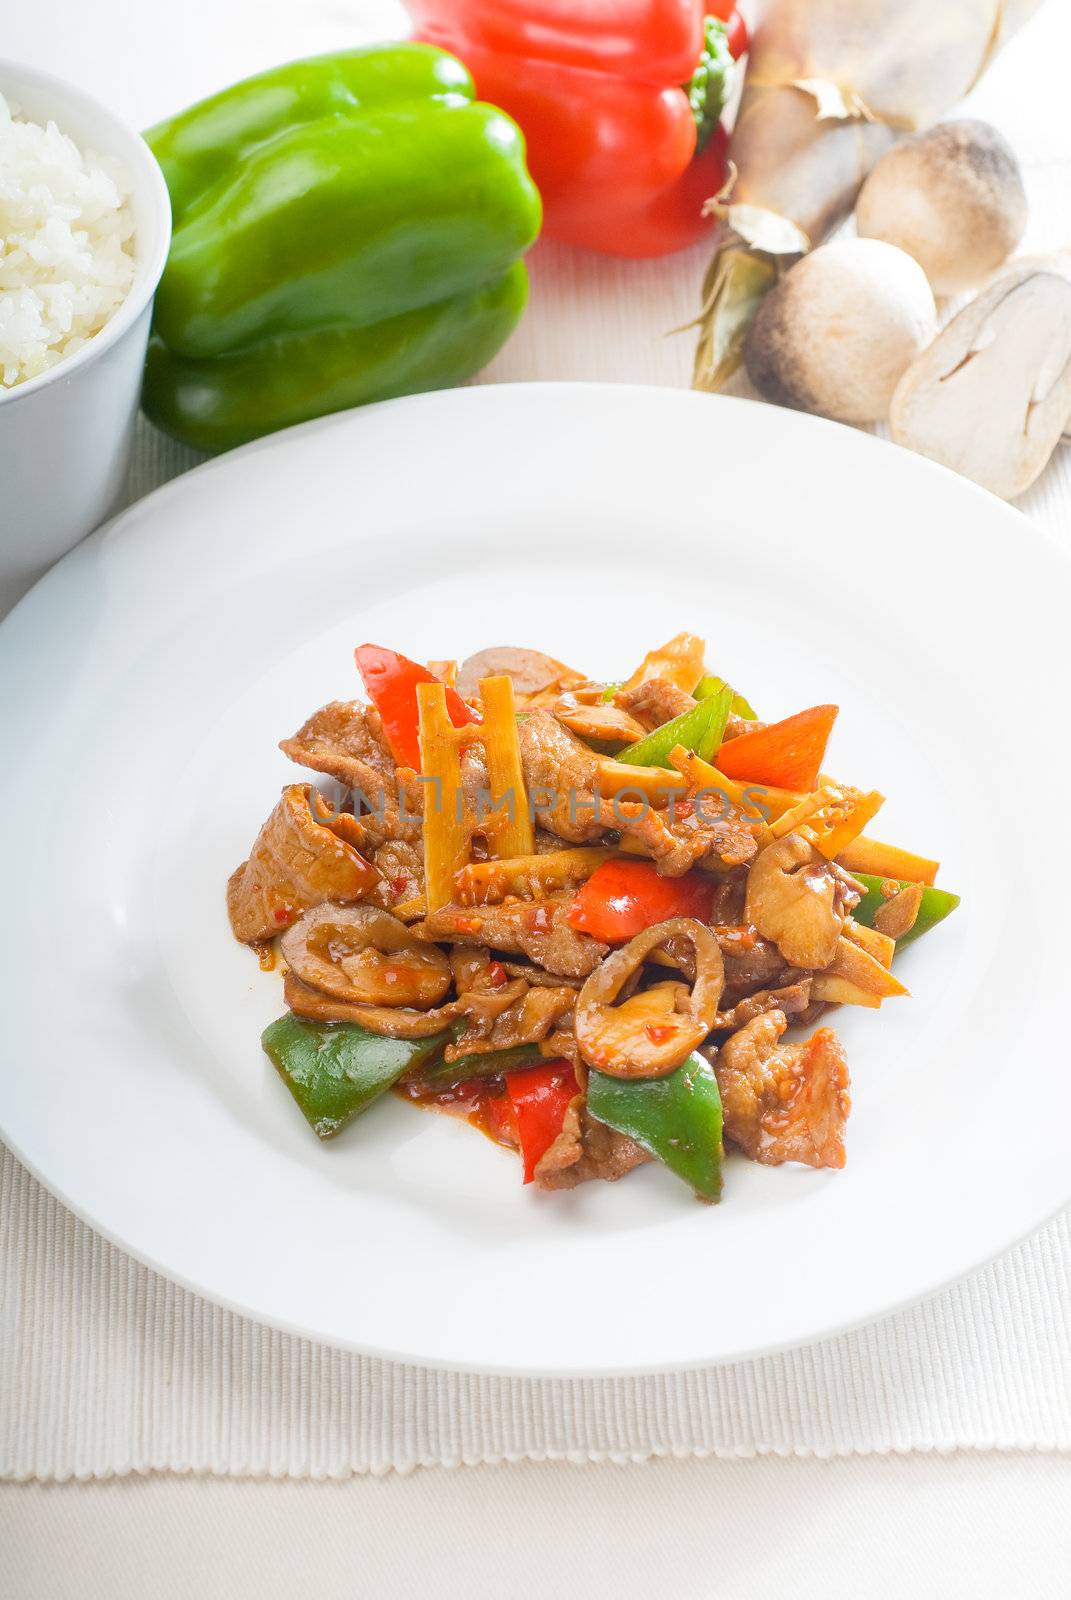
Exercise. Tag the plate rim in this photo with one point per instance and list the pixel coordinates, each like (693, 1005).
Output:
(520, 1371)
(481, 393)
(283, 436)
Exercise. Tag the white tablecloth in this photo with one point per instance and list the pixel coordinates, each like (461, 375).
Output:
(104, 1368)
(110, 1369)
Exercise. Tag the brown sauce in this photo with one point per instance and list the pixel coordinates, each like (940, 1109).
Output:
(264, 950)
(481, 1102)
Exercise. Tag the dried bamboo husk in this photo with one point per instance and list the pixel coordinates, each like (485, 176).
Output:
(831, 85)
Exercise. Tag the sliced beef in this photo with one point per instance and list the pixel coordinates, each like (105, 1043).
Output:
(729, 896)
(473, 968)
(536, 929)
(345, 740)
(401, 861)
(297, 862)
(784, 1102)
(751, 963)
(678, 841)
(587, 1149)
(848, 892)
(476, 968)
(793, 999)
(526, 1019)
(561, 1045)
(735, 726)
(562, 778)
(484, 1004)
(536, 975)
(654, 702)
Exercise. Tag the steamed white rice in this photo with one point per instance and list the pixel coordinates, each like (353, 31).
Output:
(66, 245)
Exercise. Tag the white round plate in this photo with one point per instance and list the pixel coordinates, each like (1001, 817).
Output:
(149, 676)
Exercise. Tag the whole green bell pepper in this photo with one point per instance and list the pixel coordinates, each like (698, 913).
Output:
(335, 1070)
(346, 229)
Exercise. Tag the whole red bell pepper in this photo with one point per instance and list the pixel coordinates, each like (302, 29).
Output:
(540, 1097)
(622, 898)
(618, 105)
(391, 681)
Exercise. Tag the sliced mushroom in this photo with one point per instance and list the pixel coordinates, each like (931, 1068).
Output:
(393, 1022)
(992, 394)
(299, 858)
(365, 956)
(792, 900)
(898, 915)
(606, 723)
(532, 672)
(651, 1032)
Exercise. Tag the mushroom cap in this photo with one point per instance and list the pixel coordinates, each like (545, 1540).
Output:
(992, 395)
(840, 328)
(363, 955)
(530, 670)
(953, 198)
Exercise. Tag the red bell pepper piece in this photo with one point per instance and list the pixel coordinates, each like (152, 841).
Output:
(600, 93)
(785, 755)
(622, 898)
(391, 681)
(540, 1097)
(495, 1112)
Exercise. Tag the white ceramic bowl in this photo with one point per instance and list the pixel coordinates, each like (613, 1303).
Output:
(65, 435)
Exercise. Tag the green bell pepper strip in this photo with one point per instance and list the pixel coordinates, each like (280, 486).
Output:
(677, 1119)
(346, 229)
(699, 730)
(335, 1070)
(481, 1064)
(935, 906)
(740, 707)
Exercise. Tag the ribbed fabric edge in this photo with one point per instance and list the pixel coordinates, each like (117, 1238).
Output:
(109, 1370)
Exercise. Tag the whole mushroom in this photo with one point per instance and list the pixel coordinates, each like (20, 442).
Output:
(953, 198)
(839, 330)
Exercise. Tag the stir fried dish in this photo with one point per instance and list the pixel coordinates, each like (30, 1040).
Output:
(584, 916)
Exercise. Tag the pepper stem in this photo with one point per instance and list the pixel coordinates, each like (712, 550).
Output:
(711, 83)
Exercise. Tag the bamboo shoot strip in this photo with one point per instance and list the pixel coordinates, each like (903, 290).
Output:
(446, 827)
(509, 829)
